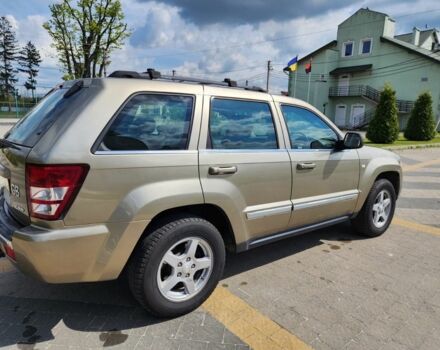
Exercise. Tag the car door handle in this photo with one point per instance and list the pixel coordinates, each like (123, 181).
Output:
(304, 166)
(219, 170)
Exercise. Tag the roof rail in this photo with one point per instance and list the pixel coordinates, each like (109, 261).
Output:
(153, 74)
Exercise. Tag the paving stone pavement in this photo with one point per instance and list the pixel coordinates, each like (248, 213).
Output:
(331, 288)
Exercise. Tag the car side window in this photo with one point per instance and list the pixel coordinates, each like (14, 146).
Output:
(307, 130)
(151, 122)
(238, 124)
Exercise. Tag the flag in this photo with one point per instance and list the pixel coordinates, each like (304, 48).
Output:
(308, 67)
(292, 65)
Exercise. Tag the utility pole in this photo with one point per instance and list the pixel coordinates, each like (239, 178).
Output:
(269, 68)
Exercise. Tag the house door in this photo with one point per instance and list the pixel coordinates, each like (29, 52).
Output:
(343, 85)
(340, 115)
(357, 115)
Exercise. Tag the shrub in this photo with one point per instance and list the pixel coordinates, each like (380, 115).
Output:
(421, 125)
(384, 127)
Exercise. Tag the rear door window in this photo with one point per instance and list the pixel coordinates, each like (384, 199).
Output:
(151, 122)
(239, 124)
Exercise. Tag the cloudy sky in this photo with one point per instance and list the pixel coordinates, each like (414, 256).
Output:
(222, 38)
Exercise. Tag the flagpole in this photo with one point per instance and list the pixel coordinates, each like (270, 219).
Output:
(294, 84)
(308, 88)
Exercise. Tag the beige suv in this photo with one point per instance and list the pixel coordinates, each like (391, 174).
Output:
(155, 177)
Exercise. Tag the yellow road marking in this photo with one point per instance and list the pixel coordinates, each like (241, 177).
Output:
(247, 323)
(420, 165)
(416, 226)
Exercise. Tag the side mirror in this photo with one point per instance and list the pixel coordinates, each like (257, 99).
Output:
(352, 140)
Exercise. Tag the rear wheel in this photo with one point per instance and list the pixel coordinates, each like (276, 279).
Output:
(177, 266)
(378, 210)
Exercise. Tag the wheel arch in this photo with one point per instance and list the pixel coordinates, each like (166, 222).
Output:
(210, 212)
(375, 171)
(393, 177)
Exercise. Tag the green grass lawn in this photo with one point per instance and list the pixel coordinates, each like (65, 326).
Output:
(5, 114)
(402, 141)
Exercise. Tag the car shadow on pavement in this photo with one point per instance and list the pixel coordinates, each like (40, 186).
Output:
(33, 312)
(27, 320)
(238, 263)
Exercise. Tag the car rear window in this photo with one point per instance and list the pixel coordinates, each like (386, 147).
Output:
(150, 122)
(28, 131)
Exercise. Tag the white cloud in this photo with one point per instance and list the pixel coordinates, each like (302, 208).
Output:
(163, 39)
(223, 47)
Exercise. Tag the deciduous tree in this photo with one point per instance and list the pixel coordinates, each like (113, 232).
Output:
(85, 34)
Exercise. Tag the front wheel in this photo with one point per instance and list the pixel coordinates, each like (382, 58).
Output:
(177, 266)
(378, 210)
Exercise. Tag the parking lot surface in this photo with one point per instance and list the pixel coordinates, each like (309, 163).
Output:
(329, 289)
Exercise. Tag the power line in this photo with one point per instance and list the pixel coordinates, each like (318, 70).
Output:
(265, 41)
(382, 74)
(406, 64)
(273, 39)
(338, 60)
(254, 77)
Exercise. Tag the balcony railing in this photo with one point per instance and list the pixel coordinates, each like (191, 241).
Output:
(368, 92)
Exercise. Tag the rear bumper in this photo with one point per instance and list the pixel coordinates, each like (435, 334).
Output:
(71, 254)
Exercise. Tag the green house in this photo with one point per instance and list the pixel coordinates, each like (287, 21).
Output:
(348, 73)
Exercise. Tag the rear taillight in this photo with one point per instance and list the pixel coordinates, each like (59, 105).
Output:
(52, 188)
(10, 252)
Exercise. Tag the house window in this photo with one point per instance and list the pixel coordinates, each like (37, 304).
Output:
(366, 46)
(347, 49)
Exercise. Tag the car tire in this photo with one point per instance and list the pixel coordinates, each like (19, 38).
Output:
(188, 252)
(375, 216)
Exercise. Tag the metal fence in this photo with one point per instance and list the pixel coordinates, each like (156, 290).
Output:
(17, 104)
(17, 108)
(368, 92)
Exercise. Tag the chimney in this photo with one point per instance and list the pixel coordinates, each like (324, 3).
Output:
(415, 36)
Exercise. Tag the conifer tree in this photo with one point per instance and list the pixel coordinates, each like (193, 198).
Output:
(421, 125)
(29, 60)
(8, 52)
(384, 127)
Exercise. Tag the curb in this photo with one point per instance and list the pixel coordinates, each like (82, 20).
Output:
(9, 120)
(421, 146)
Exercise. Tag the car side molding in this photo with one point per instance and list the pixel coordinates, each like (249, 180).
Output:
(289, 233)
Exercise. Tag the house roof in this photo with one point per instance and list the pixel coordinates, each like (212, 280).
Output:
(424, 34)
(351, 69)
(326, 46)
(404, 37)
(434, 56)
(366, 10)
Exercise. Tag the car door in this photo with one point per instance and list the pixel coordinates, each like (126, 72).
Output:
(244, 165)
(324, 180)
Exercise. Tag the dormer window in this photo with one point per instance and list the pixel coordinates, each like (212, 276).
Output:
(347, 49)
(366, 46)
